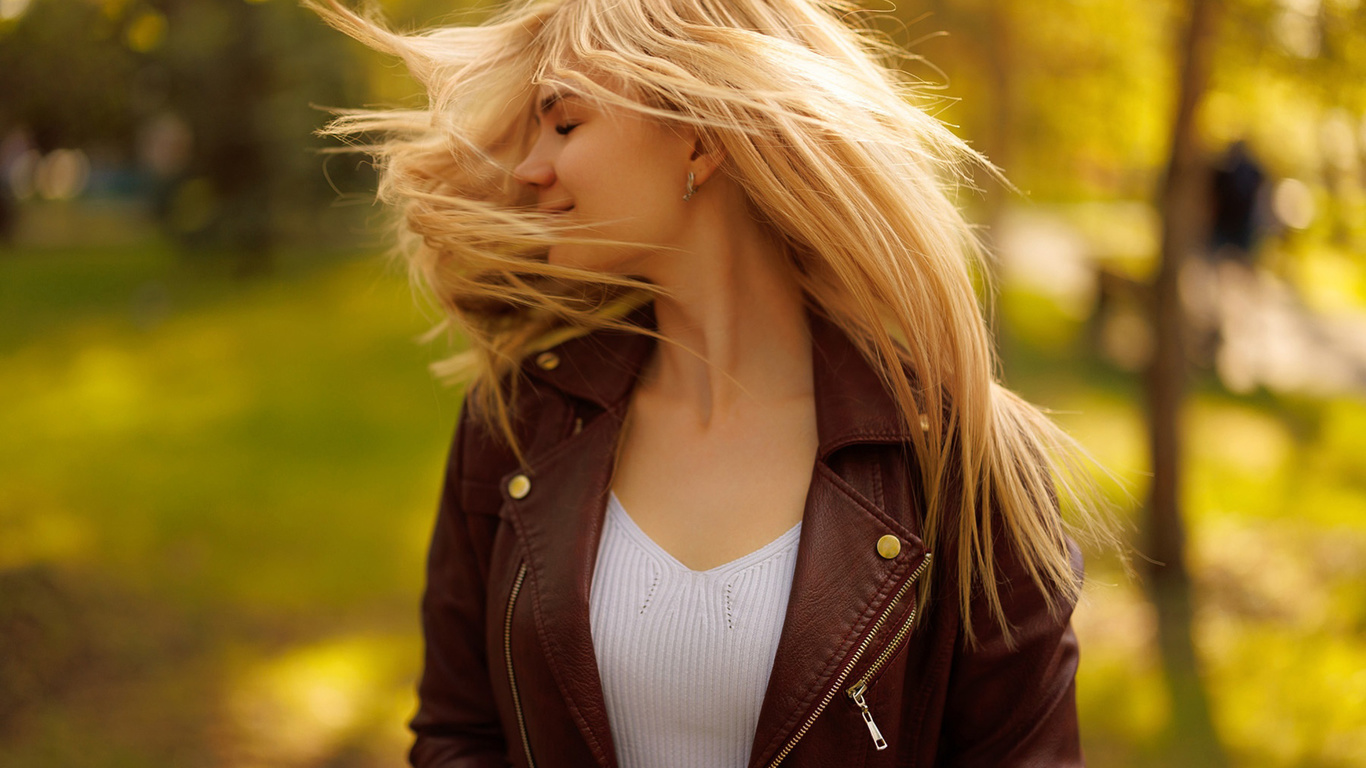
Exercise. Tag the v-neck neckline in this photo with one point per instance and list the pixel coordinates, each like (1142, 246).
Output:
(784, 541)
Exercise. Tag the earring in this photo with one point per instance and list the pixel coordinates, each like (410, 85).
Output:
(687, 194)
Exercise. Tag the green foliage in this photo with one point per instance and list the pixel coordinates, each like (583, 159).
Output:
(1275, 498)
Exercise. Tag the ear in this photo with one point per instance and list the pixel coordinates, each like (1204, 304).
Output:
(707, 156)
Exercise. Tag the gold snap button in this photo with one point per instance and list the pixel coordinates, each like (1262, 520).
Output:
(548, 361)
(889, 546)
(519, 486)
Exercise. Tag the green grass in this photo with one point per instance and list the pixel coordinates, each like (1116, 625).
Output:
(216, 495)
(202, 474)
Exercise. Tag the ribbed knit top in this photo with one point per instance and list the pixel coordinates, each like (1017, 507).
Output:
(685, 655)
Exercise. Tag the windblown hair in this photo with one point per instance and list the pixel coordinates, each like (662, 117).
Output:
(838, 161)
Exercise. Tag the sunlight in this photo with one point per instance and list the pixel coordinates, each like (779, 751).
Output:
(106, 388)
(312, 702)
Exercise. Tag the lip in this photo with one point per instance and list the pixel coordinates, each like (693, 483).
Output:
(566, 209)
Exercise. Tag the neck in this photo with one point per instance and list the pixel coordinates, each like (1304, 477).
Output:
(733, 319)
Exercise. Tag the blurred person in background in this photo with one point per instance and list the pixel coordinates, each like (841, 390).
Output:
(734, 483)
(1223, 280)
(1236, 205)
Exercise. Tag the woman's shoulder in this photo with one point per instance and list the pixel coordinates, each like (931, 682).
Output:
(549, 390)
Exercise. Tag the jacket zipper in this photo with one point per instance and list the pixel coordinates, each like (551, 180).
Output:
(856, 693)
(857, 690)
(512, 676)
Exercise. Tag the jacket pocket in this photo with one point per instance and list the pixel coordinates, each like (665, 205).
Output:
(512, 673)
(865, 679)
(857, 690)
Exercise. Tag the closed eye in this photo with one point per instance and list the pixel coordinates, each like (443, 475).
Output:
(564, 130)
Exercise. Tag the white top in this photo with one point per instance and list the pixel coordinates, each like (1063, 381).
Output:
(685, 655)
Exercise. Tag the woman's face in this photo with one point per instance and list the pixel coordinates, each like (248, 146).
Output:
(614, 173)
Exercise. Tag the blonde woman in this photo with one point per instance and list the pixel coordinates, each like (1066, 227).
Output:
(734, 485)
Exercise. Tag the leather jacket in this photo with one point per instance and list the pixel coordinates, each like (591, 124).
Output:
(510, 676)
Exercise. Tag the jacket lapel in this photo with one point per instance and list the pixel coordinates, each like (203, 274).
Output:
(839, 588)
(560, 519)
(560, 527)
(841, 584)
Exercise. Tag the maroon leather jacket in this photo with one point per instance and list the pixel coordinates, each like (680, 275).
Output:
(510, 675)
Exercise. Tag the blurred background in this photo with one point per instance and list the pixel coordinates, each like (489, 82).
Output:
(220, 448)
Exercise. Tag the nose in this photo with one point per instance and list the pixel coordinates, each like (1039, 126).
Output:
(536, 169)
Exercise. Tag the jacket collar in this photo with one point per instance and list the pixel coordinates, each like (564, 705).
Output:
(853, 404)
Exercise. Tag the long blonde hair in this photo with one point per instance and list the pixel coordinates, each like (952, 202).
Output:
(826, 137)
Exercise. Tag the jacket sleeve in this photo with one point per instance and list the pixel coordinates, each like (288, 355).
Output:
(1014, 706)
(456, 725)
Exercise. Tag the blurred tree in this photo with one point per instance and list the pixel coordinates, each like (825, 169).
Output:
(222, 74)
(1072, 99)
(246, 77)
(242, 75)
(64, 71)
(1182, 202)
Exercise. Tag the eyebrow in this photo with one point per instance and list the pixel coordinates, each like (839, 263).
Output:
(549, 102)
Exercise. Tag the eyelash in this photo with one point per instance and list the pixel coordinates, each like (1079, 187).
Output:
(564, 130)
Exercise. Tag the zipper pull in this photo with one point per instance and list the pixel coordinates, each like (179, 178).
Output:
(856, 693)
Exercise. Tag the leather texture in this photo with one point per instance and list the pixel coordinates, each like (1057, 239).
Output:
(510, 675)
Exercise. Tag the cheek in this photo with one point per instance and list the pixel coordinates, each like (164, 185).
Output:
(647, 194)
(627, 182)
(628, 202)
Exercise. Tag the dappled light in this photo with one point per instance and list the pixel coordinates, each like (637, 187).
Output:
(312, 703)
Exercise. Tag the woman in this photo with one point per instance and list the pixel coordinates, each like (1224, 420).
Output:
(734, 484)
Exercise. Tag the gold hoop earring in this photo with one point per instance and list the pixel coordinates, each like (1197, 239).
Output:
(687, 195)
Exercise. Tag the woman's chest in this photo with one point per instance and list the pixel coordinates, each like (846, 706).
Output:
(709, 496)
(684, 653)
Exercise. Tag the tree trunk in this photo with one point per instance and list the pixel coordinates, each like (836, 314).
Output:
(1183, 198)
(1001, 127)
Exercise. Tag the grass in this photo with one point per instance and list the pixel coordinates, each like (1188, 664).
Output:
(205, 479)
(216, 496)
